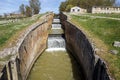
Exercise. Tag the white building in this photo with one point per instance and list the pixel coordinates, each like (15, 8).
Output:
(77, 9)
(105, 9)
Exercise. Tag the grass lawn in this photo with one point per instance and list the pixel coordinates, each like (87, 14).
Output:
(103, 32)
(9, 30)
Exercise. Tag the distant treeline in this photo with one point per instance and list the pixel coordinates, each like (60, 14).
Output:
(87, 4)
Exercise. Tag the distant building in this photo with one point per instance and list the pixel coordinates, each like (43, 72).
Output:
(77, 9)
(105, 9)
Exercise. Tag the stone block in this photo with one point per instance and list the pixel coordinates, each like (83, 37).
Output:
(116, 44)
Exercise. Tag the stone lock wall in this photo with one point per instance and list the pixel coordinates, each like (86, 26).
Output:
(78, 44)
(33, 45)
(80, 47)
(30, 48)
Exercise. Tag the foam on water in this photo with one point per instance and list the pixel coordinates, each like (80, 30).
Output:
(56, 26)
(55, 41)
(56, 49)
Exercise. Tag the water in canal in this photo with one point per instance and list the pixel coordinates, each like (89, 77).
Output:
(55, 63)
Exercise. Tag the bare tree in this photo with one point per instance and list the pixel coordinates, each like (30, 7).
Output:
(22, 9)
(28, 11)
(35, 5)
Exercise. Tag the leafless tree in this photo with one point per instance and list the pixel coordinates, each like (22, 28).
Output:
(35, 5)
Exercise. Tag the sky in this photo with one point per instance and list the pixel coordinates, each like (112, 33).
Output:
(7, 6)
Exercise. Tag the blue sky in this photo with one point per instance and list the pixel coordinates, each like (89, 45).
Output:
(7, 6)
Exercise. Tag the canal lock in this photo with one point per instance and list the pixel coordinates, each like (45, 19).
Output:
(55, 63)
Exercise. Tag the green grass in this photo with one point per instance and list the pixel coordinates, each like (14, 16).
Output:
(107, 15)
(8, 30)
(107, 31)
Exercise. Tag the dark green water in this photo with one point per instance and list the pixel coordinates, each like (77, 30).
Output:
(56, 65)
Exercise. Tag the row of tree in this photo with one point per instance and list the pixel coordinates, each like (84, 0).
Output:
(31, 9)
(87, 4)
